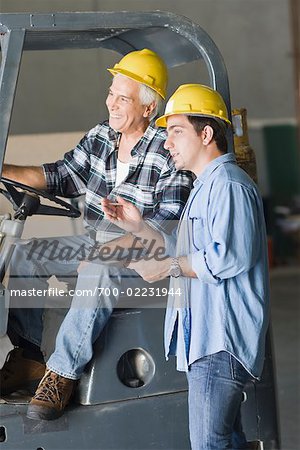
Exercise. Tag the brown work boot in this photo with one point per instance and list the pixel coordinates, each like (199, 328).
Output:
(20, 373)
(51, 397)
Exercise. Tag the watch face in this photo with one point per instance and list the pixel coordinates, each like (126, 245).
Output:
(175, 271)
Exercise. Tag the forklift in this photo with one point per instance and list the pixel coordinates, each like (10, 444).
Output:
(129, 397)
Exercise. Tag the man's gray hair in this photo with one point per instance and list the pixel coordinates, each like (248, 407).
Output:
(147, 96)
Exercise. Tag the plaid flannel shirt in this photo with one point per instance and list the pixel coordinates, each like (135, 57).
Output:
(152, 184)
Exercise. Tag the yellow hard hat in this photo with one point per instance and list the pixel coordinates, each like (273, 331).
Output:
(144, 66)
(195, 100)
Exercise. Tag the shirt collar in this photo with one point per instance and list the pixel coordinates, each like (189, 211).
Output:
(113, 135)
(228, 157)
(143, 143)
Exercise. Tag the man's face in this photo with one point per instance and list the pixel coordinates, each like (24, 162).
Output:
(183, 143)
(126, 114)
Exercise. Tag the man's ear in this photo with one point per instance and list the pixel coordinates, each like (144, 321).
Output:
(207, 134)
(149, 109)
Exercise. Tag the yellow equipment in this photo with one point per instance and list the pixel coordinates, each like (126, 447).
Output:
(244, 152)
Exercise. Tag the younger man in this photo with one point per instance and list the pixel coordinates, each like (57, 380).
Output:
(217, 321)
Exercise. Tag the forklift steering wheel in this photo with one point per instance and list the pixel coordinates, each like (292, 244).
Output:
(27, 202)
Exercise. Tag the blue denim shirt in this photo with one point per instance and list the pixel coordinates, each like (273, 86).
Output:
(229, 301)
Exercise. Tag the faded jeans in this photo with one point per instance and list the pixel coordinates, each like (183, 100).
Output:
(31, 268)
(216, 383)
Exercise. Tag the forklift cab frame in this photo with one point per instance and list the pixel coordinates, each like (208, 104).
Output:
(110, 417)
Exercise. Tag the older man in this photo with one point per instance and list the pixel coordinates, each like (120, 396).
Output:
(122, 156)
(218, 307)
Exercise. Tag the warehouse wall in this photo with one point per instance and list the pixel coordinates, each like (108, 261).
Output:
(65, 91)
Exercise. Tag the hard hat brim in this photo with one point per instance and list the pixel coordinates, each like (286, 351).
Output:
(136, 78)
(162, 121)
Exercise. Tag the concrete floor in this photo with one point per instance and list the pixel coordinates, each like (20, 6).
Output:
(285, 301)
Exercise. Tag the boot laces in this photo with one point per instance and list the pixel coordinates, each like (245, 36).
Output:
(52, 388)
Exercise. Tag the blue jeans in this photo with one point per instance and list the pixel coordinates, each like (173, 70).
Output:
(31, 267)
(216, 384)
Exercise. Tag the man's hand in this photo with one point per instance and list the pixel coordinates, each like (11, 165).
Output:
(112, 252)
(123, 213)
(82, 266)
(123, 242)
(152, 270)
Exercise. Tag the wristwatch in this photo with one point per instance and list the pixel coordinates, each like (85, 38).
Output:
(175, 269)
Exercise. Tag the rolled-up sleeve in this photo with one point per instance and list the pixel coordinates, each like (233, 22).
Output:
(68, 177)
(233, 224)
